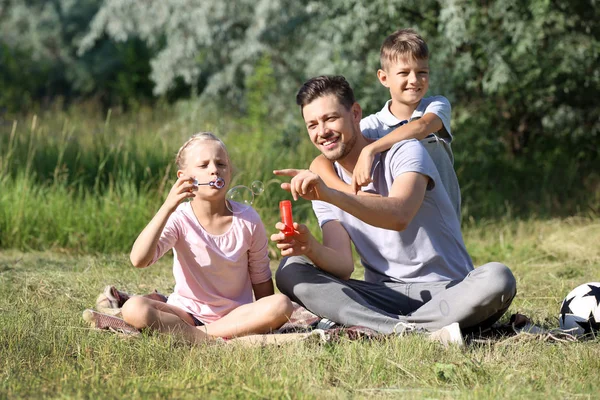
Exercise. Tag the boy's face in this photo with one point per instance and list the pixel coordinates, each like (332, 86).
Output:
(331, 127)
(407, 79)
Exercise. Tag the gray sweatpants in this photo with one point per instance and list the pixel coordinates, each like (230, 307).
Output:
(476, 302)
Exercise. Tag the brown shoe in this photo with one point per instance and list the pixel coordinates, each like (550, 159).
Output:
(104, 321)
(111, 300)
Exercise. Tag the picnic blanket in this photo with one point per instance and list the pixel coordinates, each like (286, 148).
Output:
(301, 321)
(518, 328)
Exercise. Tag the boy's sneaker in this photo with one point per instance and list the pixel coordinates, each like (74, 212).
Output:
(325, 324)
(104, 321)
(448, 335)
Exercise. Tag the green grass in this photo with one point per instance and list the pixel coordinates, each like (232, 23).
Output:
(76, 189)
(47, 350)
(89, 185)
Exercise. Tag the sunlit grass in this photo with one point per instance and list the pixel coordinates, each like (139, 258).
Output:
(47, 350)
(77, 186)
(91, 184)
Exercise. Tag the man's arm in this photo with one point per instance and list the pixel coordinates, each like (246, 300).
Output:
(394, 212)
(333, 256)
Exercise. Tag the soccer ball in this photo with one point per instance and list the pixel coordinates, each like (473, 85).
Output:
(580, 310)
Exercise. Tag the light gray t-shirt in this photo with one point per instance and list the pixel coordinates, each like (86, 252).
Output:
(430, 249)
(377, 125)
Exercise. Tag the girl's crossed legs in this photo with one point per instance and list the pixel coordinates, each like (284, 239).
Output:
(262, 316)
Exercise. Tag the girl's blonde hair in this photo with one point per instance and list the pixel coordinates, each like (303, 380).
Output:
(200, 136)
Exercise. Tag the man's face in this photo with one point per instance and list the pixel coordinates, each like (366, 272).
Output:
(407, 79)
(331, 127)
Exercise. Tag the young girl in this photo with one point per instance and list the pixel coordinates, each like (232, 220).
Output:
(220, 256)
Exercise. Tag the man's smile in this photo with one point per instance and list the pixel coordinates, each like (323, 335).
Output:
(329, 142)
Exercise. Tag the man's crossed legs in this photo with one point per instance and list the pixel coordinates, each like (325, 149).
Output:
(474, 303)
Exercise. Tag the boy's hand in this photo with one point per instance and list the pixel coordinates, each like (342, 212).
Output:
(361, 176)
(304, 183)
(296, 245)
(182, 190)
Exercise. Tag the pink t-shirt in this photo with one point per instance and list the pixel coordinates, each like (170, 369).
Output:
(214, 274)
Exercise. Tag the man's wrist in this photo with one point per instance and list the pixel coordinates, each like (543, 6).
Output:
(310, 249)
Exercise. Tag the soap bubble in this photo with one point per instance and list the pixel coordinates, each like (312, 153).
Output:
(242, 196)
(257, 187)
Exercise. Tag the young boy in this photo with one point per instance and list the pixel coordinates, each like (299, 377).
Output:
(404, 59)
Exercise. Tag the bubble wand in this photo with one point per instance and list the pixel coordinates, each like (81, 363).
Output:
(219, 183)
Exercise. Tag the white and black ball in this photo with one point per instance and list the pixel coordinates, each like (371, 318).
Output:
(580, 310)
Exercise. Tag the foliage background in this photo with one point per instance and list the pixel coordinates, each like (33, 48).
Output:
(97, 95)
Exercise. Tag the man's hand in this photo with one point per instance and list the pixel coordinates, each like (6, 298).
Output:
(298, 244)
(304, 183)
(361, 176)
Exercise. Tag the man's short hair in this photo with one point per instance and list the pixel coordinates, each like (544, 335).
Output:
(325, 85)
(402, 44)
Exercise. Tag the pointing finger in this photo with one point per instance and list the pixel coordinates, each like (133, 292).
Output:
(286, 172)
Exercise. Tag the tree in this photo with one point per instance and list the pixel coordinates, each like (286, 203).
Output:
(38, 49)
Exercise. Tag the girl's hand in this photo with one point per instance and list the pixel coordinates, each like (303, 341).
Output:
(182, 190)
(296, 245)
(304, 183)
(361, 176)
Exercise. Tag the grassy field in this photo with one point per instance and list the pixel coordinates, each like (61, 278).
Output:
(75, 190)
(46, 350)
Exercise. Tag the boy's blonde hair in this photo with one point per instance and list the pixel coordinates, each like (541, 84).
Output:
(402, 44)
(200, 136)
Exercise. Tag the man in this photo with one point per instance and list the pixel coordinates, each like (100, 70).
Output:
(418, 274)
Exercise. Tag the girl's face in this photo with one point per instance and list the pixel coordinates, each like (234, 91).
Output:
(205, 161)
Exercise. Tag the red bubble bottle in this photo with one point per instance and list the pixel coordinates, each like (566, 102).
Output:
(285, 209)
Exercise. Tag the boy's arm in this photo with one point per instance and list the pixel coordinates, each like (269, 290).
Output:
(418, 129)
(324, 168)
(263, 289)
